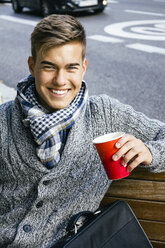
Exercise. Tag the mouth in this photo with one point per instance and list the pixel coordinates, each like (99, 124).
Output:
(59, 92)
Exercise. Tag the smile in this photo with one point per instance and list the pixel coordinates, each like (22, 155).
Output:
(59, 92)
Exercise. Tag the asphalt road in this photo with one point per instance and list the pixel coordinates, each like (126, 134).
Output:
(125, 51)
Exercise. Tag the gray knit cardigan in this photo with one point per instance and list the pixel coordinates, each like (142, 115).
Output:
(36, 203)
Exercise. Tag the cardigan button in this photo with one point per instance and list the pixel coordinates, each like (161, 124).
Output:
(46, 182)
(27, 228)
(39, 204)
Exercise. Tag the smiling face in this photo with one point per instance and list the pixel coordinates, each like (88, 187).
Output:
(58, 74)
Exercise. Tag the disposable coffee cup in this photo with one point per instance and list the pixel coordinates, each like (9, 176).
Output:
(105, 146)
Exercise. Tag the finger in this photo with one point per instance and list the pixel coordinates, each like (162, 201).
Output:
(134, 163)
(124, 149)
(123, 140)
(130, 155)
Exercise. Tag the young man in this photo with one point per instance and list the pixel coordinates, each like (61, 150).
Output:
(49, 168)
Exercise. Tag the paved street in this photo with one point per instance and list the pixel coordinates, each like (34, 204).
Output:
(125, 52)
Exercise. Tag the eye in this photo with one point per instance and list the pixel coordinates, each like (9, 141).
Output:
(72, 68)
(49, 67)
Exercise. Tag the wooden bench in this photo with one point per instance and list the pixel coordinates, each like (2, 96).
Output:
(145, 193)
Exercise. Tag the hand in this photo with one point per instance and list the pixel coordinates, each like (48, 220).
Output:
(133, 152)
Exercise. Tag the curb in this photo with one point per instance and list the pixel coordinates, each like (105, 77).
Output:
(6, 93)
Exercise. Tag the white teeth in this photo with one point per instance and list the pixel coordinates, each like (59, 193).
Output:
(59, 92)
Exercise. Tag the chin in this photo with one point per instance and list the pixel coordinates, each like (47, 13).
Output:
(56, 108)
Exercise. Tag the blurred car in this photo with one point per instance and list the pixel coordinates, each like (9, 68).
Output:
(47, 7)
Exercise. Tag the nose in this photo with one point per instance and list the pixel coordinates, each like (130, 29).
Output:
(60, 78)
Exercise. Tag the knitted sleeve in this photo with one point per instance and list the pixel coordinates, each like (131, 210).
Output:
(5, 110)
(122, 117)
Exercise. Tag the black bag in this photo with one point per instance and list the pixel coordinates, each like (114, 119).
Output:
(113, 226)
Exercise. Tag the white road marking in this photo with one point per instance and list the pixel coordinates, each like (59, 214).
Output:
(146, 48)
(7, 4)
(6, 93)
(105, 38)
(148, 29)
(143, 12)
(18, 20)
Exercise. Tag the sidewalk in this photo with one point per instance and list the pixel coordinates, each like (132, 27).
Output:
(6, 93)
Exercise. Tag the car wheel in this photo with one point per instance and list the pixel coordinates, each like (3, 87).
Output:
(45, 8)
(99, 10)
(16, 7)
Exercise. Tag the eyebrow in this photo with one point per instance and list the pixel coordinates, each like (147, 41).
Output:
(50, 63)
(73, 64)
(47, 62)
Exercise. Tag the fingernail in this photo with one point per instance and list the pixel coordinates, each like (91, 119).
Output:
(123, 163)
(117, 145)
(114, 157)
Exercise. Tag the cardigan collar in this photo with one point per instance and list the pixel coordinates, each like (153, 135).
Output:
(75, 138)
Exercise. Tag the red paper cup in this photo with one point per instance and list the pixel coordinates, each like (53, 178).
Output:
(105, 146)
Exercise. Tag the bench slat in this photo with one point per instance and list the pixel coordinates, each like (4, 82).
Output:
(138, 189)
(154, 230)
(158, 244)
(142, 173)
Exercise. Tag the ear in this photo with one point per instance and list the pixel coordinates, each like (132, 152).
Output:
(31, 65)
(84, 66)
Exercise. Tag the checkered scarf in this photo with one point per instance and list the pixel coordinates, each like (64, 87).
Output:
(48, 129)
